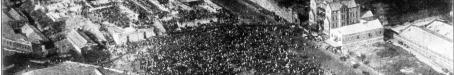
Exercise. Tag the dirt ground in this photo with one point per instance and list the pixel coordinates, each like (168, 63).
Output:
(388, 59)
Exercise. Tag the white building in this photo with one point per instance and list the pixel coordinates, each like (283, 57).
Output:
(364, 30)
(428, 46)
(122, 36)
(99, 2)
(196, 22)
(344, 23)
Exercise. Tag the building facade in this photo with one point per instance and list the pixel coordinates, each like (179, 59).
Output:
(355, 33)
(14, 42)
(333, 13)
(16, 46)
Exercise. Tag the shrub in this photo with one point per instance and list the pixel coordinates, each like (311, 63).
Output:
(356, 65)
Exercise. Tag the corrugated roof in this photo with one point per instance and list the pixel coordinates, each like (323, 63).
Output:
(358, 27)
(77, 39)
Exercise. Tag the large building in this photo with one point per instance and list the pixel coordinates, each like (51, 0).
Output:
(79, 40)
(33, 34)
(431, 43)
(354, 33)
(343, 22)
(123, 35)
(11, 41)
(84, 24)
(334, 13)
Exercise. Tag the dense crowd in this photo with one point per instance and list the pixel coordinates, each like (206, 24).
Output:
(133, 7)
(112, 15)
(227, 49)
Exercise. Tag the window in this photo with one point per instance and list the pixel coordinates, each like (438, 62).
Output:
(357, 37)
(333, 25)
(370, 35)
(350, 18)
